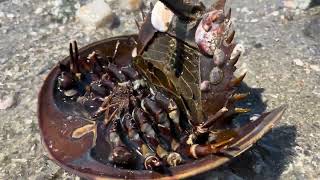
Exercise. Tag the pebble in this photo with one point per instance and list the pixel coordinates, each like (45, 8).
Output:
(254, 20)
(19, 160)
(7, 102)
(316, 92)
(297, 4)
(298, 62)
(246, 10)
(275, 13)
(10, 15)
(95, 14)
(131, 5)
(2, 60)
(28, 121)
(2, 156)
(312, 28)
(38, 11)
(315, 68)
(258, 45)
(288, 15)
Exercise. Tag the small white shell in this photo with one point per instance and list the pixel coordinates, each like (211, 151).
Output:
(161, 17)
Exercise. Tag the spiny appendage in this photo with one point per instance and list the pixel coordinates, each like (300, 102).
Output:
(218, 83)
(216, 42)
(119, 102)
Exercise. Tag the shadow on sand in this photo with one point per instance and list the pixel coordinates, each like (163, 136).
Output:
(267, 159)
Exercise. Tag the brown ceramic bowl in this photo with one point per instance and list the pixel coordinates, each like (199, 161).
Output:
(73, 155)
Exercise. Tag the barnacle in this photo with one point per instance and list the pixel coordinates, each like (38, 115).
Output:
(153, 105)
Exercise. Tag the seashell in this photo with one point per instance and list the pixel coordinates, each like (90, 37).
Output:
(161, 17)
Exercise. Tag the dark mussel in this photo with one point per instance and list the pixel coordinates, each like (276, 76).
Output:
(152, 105)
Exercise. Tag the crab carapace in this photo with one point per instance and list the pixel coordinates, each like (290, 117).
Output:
(156, 105)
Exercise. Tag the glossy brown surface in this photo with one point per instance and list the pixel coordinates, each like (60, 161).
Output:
(74, 154)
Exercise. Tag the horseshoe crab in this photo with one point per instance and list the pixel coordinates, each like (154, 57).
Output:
(157, 105)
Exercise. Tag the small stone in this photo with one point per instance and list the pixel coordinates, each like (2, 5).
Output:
(275, 13)
(289, 16)
(312, 28)
(245, 10)
(95, 14)
(315, 68)
(297, 4)
(288, 4)
(316, 92)
(38, 11)
(298, 62)
(7, 102)
(2, 60)
(10, 15)
(131, 5)
(28, 121)
(19, 160)
(307, 70)
(258, 45)
(254, 20)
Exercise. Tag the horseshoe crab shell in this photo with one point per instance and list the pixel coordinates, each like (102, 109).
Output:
(56, 126)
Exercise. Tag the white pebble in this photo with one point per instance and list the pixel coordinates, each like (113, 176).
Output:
(297, 4)
(10, 15)
(7, 102)
(95, 14)
(315, 68)
(298, 62)
(38, 11)
(275, 13)
(19, 160)
(254, 20)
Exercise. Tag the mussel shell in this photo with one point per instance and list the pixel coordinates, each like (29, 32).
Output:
(74, 156)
